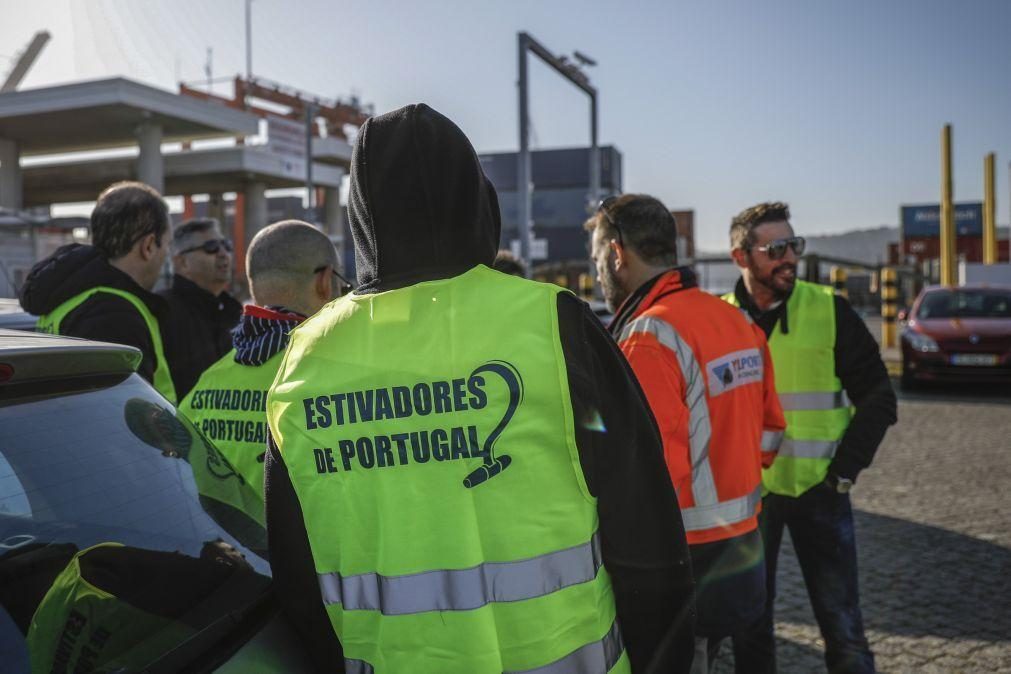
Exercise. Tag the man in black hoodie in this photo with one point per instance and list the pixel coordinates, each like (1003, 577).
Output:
(103, 291)
(426, 225)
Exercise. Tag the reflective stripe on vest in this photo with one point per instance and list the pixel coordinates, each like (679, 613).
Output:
(162, 378)
(698, 518)
(598, 657)
(808, 449)
(464, 589)
(813, 400)
(772, 440)
(708, 511)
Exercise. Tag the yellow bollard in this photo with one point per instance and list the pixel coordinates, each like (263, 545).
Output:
(889, 306)
(949, 252)
(562, 280)
(586, 286)
(989, 211)
(837, 275)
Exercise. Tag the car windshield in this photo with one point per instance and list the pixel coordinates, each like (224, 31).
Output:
(965, 304)
(123, 532)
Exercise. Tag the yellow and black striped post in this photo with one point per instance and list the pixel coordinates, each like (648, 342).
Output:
(889, 306)
(837, 275)
(586, 286)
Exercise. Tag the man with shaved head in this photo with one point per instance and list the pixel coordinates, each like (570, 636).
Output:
(291, 267)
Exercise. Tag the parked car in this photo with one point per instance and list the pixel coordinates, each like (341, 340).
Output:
(127, 542)
(958, 334)
(14, 317)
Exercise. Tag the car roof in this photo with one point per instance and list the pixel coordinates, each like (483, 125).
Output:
(34, 356)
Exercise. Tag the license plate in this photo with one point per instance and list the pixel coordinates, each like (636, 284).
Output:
(974, 359)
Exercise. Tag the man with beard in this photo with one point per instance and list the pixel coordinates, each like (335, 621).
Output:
(838, 402)
(706, 372)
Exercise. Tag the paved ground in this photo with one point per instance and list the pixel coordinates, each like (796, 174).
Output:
(933, 521)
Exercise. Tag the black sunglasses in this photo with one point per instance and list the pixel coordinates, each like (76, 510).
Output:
(777, 249)
(603, 207)
(210, 247)
(343, 287)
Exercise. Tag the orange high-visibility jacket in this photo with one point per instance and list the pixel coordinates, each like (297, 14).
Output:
(706, 370)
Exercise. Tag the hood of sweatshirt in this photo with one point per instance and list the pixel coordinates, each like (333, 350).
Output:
(420, 206)
(71, 270)
(262, 333)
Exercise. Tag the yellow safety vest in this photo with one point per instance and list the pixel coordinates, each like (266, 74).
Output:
(430, 439)
(228, 405)
(162, 378)
(816, 407)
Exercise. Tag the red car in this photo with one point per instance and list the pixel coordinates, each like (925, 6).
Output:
(958, 334)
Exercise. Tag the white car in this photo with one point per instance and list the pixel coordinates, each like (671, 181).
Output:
(127, 542)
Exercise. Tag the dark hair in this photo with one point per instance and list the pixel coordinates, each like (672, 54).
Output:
(180, 234)
(646, 226)
(744, 223)
(125, 213)
(507, 263)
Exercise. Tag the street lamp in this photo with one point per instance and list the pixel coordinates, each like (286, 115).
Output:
(570, 71)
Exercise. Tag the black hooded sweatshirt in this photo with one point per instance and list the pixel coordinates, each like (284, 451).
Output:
(421, 209)
(74, 268)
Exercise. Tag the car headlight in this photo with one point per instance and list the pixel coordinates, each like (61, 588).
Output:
(920, 341)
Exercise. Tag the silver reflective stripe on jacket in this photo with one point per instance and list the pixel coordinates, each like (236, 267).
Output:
(598, 657)
(771, 440)
(700, 428)
(699, 518)
(464, 589)
(813, 400)
(808, 449)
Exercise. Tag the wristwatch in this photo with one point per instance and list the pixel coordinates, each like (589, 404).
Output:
(840, 485)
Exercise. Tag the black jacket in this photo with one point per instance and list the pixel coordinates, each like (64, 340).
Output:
(74, 268)
(863, 375)
(421, 209)
(199, 332)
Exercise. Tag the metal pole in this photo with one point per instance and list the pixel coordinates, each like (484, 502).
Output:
(594, 155)
(947, 211)
(523, 170)
(249, 40)
(310, 115)
(989, 210)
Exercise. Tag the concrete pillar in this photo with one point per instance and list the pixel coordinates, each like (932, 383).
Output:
(255, 210)
(150, 164)
(216, 210)
(333, 220)
(10, 175)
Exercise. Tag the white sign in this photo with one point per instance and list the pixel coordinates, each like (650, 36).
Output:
(538, 248)
(286, 141)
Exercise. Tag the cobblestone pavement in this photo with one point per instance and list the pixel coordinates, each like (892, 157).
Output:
(933, 517)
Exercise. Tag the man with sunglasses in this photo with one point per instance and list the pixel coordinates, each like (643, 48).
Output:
(202, 312)
(707, 375)
(103, 291)
(838, 402)
(291, 268)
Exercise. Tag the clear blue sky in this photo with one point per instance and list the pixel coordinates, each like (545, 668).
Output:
(834, 107)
